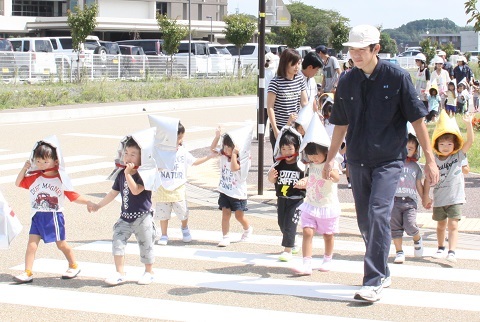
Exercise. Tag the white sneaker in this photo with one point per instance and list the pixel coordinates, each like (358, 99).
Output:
(146, 279)
(295, 250)
(451, 257)
(116, 279)
(285, 257)
(224, 242)
(326, 265)
(71, 273)
(305, 269)
(23, 278)
(418, 248)
(386, 282)
(246, 234)
(440, 253)
(187, 237)
(369, 293)
(162, 241)
(399, 258)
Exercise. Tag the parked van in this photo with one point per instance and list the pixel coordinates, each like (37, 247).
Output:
(248, 54)
(7, 60)
(150, 47)
(221, 61)
(34, 57)
(304, 50)
(199, 56)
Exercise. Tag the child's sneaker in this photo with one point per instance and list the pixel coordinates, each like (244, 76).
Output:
(186, 235)
(305, 269)
(246, 234)
(399, 258)
(295, 250)
(418, 248)
(439, 254)
(285, 257)
(146, 279)
(326, 265)
(451, 257)
(116, 279)
(71, 273)
(23, 278)
(162, 241)
(224, 242)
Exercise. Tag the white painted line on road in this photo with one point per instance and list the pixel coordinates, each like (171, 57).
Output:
(340, 245)
(88, 180)
(100, 136)
(274, 286)
(345, 266)
(146, 307)
(23, 155)
(19, 165)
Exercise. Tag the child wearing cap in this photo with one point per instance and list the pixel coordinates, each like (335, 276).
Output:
(433, 104)
(404, 211)
(449, 193)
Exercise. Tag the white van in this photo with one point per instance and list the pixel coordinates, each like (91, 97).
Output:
(34, 57)
(248, 54)
(199, 56)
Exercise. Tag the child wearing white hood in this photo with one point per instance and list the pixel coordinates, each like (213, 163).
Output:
(320, 212)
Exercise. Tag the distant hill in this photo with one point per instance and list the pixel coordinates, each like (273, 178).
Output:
(410, 32)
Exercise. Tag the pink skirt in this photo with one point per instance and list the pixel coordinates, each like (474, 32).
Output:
(327, 224)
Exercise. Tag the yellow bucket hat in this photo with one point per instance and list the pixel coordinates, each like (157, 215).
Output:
(446, 124)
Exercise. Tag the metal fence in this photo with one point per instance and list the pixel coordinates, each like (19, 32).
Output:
(67, 67)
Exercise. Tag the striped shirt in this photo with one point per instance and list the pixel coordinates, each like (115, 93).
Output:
(287, 99)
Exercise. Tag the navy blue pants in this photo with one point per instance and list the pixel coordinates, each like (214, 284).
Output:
(373, 191)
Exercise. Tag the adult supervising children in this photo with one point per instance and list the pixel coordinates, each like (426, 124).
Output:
(374, 101)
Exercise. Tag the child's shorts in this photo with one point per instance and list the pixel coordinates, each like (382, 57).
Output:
(163, 210)
(452, 212)
(324, 226)
(50, 226)
(450, 108)
(145, 232)
(233, 204)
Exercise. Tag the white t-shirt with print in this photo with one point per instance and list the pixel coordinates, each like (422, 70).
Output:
(231, 183)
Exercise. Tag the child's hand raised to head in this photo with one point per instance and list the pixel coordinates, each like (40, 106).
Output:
(272, 175)
(27, 165)
(129, 168)
(218, 131)
(292, 118)
(235, 151)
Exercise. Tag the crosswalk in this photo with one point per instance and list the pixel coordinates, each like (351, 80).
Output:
(284, 286)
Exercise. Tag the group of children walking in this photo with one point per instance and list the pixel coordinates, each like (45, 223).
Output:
(155, 161)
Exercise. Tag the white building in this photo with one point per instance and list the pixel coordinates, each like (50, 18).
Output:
(117, 19)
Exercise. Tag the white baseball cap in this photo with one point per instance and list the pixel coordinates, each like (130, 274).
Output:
(363, 35)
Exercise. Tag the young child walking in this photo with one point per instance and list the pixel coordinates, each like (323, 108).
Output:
(433, 103)
(475, 95)
(320, 212)
(451, 101)
(404, 211)
(287, 174)
(463, 97)
(45, 177)
(135, 178)
(171, 195)
(449, 193)
(234, 166)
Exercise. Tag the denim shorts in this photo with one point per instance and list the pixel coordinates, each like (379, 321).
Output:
(233, 204)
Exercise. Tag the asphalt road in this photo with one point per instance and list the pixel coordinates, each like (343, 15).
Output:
(198, 281)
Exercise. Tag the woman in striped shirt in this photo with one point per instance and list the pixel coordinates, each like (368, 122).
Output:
(286, 92)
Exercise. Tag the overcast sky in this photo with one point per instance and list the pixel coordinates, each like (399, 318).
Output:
(388, 13)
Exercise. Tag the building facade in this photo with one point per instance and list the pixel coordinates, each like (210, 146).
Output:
(117, 19)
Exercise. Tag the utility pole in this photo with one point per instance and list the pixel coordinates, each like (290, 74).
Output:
(261, 93)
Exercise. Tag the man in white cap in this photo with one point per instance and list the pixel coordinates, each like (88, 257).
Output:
(446, 64)
(374, 101)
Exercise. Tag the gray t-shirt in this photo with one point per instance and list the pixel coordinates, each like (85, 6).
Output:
(330, 73)
(407, 184)
(450, 189)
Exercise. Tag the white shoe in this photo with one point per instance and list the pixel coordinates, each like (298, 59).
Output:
(23, 278)
(224, 242)
(146, 279)
(116, 279)
(386, 282)
(295, 250)
(305, 269)
(439, 254)
(418, 248)
(369, 293)
(71, 273)
(285, 257)
(399, 258)
(326, 265)
(451, 258)
(186, 236)
(246, 234)
(162, 241)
